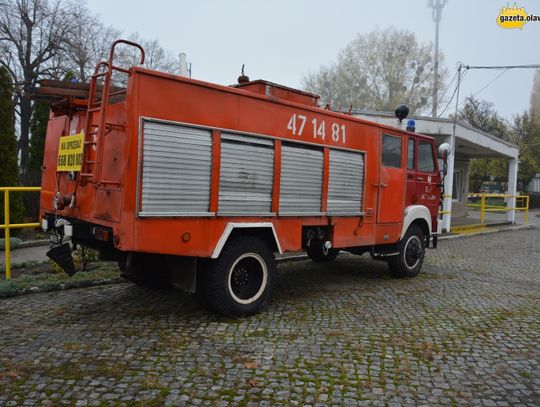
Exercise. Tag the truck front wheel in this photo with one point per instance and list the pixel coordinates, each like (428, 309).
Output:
(411, 254)
(240, 280)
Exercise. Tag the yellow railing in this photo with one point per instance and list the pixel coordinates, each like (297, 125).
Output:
(484, 205)
(445, 212)
(7, 226)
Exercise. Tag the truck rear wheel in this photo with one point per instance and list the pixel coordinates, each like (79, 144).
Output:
(240, 280)
(411, 254)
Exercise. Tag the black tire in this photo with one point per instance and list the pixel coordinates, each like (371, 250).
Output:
(412, 250)
(145, 270)
(316, 253)
(240, 280)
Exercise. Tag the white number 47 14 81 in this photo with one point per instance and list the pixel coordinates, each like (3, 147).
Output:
(297, 123)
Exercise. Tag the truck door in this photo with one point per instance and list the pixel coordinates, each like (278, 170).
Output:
(411, 194)
(391, 180)
(427, 192)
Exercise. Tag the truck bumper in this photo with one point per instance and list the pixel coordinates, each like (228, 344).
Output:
(80, 233)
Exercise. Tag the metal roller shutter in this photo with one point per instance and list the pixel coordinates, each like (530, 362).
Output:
(346, 183)
(301, 181)
(176, 170)
(246, 176)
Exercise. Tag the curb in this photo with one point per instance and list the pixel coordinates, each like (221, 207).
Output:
(486, 232)
(32, 243)
(26, 244)
(63, 287)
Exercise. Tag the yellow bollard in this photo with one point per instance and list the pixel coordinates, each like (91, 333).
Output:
(527, 210)
(6, 233)
(483, 210)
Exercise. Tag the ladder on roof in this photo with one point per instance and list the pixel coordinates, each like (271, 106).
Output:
(94, 133)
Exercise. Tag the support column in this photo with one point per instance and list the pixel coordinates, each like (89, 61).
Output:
(512, 189)
(466, 180)
(467, 174)
(448, 185)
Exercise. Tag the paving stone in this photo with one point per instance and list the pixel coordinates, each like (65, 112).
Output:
(464, 332)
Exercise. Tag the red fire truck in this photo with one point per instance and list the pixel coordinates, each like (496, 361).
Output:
(198, 185)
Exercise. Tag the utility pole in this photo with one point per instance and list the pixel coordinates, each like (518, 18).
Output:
(437, 6)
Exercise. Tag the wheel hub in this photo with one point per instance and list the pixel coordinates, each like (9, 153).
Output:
(240, 277)
(248, 278)
(413, 252)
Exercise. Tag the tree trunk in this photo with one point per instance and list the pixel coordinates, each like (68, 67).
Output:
(24, 138)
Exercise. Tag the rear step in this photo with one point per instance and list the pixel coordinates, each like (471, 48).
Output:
(61, 255)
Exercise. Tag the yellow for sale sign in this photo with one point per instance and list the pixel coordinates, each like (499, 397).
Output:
(70, 153)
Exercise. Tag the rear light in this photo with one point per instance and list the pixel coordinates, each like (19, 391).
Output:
(102, 234)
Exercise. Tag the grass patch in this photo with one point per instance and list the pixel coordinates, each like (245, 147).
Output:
(112, 370)
(50, 282)
(66, 371)
(30, 265)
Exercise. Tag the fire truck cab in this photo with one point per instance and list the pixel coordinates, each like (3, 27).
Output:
(198, 185)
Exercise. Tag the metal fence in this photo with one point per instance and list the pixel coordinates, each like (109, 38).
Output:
(497, 203)
(7, 226)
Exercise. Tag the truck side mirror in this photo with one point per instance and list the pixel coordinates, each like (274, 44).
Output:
(444, 151)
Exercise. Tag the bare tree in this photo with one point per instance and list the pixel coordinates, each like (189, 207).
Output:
(42, 39)
(87, 43)
(156, 56)
(32, 33)
(378, 71)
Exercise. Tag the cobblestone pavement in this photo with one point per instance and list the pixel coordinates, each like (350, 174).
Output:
(465, 332)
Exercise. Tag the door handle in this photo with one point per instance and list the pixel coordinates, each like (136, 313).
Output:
(383, 185)
(420, 178)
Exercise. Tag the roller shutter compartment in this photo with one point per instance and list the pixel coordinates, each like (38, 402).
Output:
(246, 175)
(301, 181)
(176, 170)
(345, 183)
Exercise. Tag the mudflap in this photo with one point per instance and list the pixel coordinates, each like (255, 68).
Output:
(61, 255)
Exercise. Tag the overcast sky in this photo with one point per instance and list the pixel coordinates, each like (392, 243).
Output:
(282, 40)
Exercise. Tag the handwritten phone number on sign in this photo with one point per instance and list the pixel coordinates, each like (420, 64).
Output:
(300, 124)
